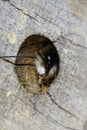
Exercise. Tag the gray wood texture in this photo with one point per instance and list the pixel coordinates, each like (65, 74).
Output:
(64, 106)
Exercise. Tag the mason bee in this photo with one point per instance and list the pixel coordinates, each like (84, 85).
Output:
(37, 63)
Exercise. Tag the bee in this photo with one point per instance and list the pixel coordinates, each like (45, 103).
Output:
(47, 63)
(37, 63)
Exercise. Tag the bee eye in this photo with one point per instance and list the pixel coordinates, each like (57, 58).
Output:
(49, 62)
(49, 58)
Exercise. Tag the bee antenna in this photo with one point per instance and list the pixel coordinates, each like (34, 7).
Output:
(16, 57)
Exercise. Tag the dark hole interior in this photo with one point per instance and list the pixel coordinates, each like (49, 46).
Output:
(27, 72)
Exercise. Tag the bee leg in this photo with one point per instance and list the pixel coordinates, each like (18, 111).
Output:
(40, 80)
(44, 89)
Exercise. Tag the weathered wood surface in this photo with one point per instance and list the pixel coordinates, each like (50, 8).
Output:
(64, 107)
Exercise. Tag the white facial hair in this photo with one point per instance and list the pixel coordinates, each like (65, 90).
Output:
(39, 65)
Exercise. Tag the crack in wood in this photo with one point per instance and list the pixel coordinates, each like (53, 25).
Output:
(47, 117)
(32, 16)
(47, 20)
(5, 0)
(22, 11)
(54, 102)
(54, 121)
(6, 60)
(64, 38)
(50, 96)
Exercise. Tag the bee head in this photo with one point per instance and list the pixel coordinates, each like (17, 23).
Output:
(47, 64)
(48, 58)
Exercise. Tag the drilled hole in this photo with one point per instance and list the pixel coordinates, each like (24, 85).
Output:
(38, 63)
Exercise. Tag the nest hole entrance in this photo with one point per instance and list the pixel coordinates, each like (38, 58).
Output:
(32, 65)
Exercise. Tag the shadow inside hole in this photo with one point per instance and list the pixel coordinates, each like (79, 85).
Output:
(26, 73)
